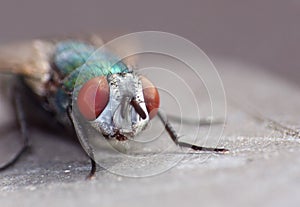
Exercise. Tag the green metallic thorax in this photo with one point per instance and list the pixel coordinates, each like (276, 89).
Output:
(73, 57)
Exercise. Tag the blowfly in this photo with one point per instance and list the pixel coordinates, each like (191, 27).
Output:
(116, 101)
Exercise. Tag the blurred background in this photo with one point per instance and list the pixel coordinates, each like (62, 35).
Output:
(260, 32)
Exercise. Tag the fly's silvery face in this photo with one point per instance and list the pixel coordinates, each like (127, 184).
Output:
(122, 118)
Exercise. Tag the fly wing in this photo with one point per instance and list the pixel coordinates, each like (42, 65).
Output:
(29, 59)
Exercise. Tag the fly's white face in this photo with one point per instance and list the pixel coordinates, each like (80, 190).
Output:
(118, 106)
(120, 117)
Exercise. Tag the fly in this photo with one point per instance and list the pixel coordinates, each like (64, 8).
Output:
(117, 102)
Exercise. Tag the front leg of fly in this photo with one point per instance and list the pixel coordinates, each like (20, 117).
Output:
(116, 106)
(174, 136)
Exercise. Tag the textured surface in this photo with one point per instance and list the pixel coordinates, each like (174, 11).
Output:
(261, 168)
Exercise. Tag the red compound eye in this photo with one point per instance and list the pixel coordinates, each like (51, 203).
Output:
(93, 97)
(151, 96)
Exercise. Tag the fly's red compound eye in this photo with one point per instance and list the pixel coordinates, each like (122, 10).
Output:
(151, 96)
(93, 97)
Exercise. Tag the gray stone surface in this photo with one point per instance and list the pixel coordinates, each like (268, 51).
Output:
(262, 167)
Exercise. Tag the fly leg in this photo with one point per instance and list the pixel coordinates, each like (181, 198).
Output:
(171, 131)
(84, 143)
(93, 169)
(20, 115)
